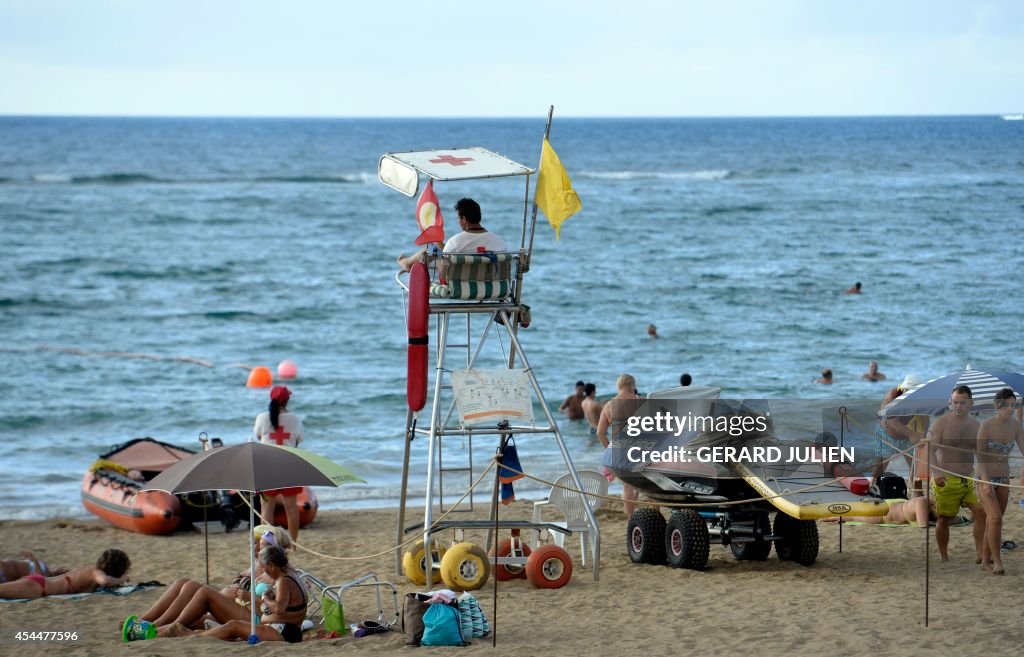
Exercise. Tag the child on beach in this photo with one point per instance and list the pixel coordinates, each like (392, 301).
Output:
(110, 570)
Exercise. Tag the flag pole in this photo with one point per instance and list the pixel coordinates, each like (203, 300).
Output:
(533, 219)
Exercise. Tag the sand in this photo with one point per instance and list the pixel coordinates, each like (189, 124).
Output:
(867, 599)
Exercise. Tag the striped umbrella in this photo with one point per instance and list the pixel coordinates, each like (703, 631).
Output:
(932, 398)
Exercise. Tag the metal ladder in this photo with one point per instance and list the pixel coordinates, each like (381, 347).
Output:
(464, 465)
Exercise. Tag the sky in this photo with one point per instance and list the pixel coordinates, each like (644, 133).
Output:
(479, 58)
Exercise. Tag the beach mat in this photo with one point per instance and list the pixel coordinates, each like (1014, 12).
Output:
(959, 521)
(119, 590)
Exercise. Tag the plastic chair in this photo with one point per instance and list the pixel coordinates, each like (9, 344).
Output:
(571, 503)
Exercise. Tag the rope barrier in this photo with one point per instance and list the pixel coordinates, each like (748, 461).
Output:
(915, 460)
(111, 354)
(401, 545)
(672, 505)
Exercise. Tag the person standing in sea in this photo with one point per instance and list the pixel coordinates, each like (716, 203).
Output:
(572, 407)
(276, 426)
(591, 407)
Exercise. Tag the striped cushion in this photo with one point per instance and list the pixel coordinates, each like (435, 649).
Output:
(475, 276)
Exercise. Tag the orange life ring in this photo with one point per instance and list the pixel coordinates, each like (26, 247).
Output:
(419, 319)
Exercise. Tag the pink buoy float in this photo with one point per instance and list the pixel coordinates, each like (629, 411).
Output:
(287, 369)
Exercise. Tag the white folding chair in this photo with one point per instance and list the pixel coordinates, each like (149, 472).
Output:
(571, 504)
(318, 591)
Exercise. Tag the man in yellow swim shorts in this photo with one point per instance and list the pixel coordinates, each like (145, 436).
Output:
(953, 440)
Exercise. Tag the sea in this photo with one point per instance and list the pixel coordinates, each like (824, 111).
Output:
(149, 262)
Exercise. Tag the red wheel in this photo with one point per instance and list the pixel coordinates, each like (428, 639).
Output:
(550, 567)
(505, 549)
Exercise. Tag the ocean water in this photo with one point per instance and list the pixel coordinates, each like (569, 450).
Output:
(133, 246)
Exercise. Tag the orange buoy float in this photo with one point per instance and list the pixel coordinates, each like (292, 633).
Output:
(419, 319)
(287, 369)
(260, 377)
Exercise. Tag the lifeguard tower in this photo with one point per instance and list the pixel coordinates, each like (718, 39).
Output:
(487, 288)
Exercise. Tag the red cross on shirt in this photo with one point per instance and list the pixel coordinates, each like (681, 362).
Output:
(454, 161)
(279, 436)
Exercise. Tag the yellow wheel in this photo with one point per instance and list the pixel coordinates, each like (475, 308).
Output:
(414, 562)
(465, 567)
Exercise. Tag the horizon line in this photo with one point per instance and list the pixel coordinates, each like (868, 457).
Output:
(4, 115)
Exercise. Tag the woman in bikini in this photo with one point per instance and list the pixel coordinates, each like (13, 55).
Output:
(28, 564)
(191, 603)
(996, 438)
(110, 570)
(283, 608)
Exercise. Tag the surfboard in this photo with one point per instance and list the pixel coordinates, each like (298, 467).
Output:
(805, 492)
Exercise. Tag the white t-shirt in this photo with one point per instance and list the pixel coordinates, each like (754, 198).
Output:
(289, 433)
(466, 242)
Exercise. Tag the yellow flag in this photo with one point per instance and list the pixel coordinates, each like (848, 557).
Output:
(555, 196)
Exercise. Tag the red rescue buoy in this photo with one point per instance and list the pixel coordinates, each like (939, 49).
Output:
(856, 485)
(419, 319)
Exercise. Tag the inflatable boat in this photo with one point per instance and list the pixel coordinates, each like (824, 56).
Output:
(111, 490)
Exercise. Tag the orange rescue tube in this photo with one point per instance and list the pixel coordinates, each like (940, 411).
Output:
(308, 507)
(419, 319)
(118, 500)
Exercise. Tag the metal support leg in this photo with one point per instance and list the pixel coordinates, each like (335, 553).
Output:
(435, 413)
(591, 519)
(410, 425)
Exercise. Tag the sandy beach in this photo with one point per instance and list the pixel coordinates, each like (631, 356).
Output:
(868, 599)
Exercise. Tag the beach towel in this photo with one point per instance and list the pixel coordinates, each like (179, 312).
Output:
(510, 458)
(119, 590)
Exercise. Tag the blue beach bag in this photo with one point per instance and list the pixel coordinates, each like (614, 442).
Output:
(441, 626)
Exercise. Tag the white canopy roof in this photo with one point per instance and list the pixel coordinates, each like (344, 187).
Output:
(400, 171)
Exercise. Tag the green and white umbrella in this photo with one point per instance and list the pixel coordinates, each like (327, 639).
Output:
(251, 467)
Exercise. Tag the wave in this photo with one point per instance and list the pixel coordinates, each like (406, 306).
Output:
(128, 178)
(734, 209)
(342, 179)
(703, 174)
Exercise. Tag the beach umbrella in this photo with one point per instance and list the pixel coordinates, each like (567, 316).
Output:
(251, 467)
(932, 398)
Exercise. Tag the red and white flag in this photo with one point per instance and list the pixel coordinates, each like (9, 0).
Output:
(428, 215)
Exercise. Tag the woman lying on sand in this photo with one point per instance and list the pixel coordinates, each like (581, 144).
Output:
(110, 570)
(283, 608)
(13, 569)
(901, 512)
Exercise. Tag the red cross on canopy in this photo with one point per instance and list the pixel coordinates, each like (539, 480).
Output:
(452, 160)
(279, 436)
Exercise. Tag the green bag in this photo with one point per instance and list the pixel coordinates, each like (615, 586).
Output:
(334, 617)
